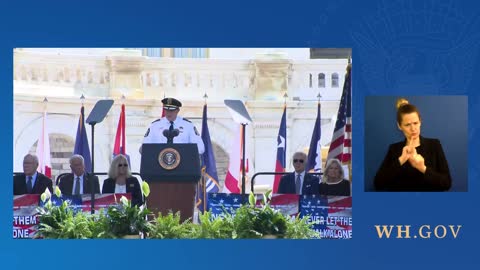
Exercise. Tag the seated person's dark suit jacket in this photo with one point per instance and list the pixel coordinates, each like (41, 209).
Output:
(133, 187)
(287, 184)
(66, 183)
(20, 184)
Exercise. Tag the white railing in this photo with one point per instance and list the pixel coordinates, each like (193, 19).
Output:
(181, 77)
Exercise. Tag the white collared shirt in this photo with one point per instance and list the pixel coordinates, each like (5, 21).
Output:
(188, 132)
(120, 188)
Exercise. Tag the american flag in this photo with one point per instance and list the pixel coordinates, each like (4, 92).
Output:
(332, 215)
(219, 203)
(341, 145)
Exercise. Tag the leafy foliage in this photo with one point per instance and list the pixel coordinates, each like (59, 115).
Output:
(125, 219)
(170, 227)
(301, 228)
(62, 222)
(214, 228)
(255, 222)
(249, 221)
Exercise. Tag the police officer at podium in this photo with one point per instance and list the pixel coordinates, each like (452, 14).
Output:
(187, 132)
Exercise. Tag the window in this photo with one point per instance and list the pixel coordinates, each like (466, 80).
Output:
(150, 52)
(321, 80)
(190, 53)
(335, 80)
(310, 81)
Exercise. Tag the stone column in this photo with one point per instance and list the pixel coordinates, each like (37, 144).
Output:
(271, 78)
(126, 76)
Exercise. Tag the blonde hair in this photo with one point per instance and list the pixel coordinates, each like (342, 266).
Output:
(401, 102)
(113, 171)
(329, 163)
(404, 107)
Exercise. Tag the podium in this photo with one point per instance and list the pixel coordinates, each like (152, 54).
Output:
(172, 171)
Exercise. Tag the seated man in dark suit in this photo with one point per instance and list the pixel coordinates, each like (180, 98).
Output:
(298, 182)
(31, 181)
(78, 182)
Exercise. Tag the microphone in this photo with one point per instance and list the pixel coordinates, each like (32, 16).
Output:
(170, 134)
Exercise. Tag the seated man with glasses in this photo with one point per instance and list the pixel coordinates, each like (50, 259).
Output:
(120, 180)
(299, 182)
(79, 181)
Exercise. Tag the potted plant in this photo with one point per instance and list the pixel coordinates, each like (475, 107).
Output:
(61, 221)
(253, 221)
(259, 222)
(127, 221)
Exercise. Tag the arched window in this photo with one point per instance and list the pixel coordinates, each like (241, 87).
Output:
(335, 80)
(321, 80)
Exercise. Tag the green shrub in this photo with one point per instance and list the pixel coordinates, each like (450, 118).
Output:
(62, 222)
(125, 219)
(170, 227)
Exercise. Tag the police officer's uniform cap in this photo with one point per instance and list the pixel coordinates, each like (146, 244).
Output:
(171, 104)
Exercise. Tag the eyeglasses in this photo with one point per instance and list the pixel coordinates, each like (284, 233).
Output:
(298, 160)
(122, 165)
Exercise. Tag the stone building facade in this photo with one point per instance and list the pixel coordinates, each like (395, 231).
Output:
(63, 75)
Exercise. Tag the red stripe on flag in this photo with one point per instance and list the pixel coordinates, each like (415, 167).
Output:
(347, 143)
(346, 157)
(276, 181)
(48, 171)
(336, 143)
(231, 183)
(348, 128)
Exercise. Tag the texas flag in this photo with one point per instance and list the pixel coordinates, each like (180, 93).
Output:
(281, 150)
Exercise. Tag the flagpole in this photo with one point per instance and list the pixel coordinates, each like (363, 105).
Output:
(204, 182)
(243, 157)
(349, 70)
(123, 149)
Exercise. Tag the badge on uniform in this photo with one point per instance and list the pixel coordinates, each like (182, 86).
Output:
(196, 131)
(148, 132)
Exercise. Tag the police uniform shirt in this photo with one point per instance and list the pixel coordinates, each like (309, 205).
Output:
(187, 132)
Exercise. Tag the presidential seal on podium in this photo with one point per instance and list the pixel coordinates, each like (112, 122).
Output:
(169, 158)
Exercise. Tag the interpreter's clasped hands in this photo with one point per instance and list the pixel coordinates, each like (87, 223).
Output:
(409, 153)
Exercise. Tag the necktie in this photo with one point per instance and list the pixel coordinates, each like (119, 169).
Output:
(170, 129)
(297, 184)
(77, 186)
(29, 184)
